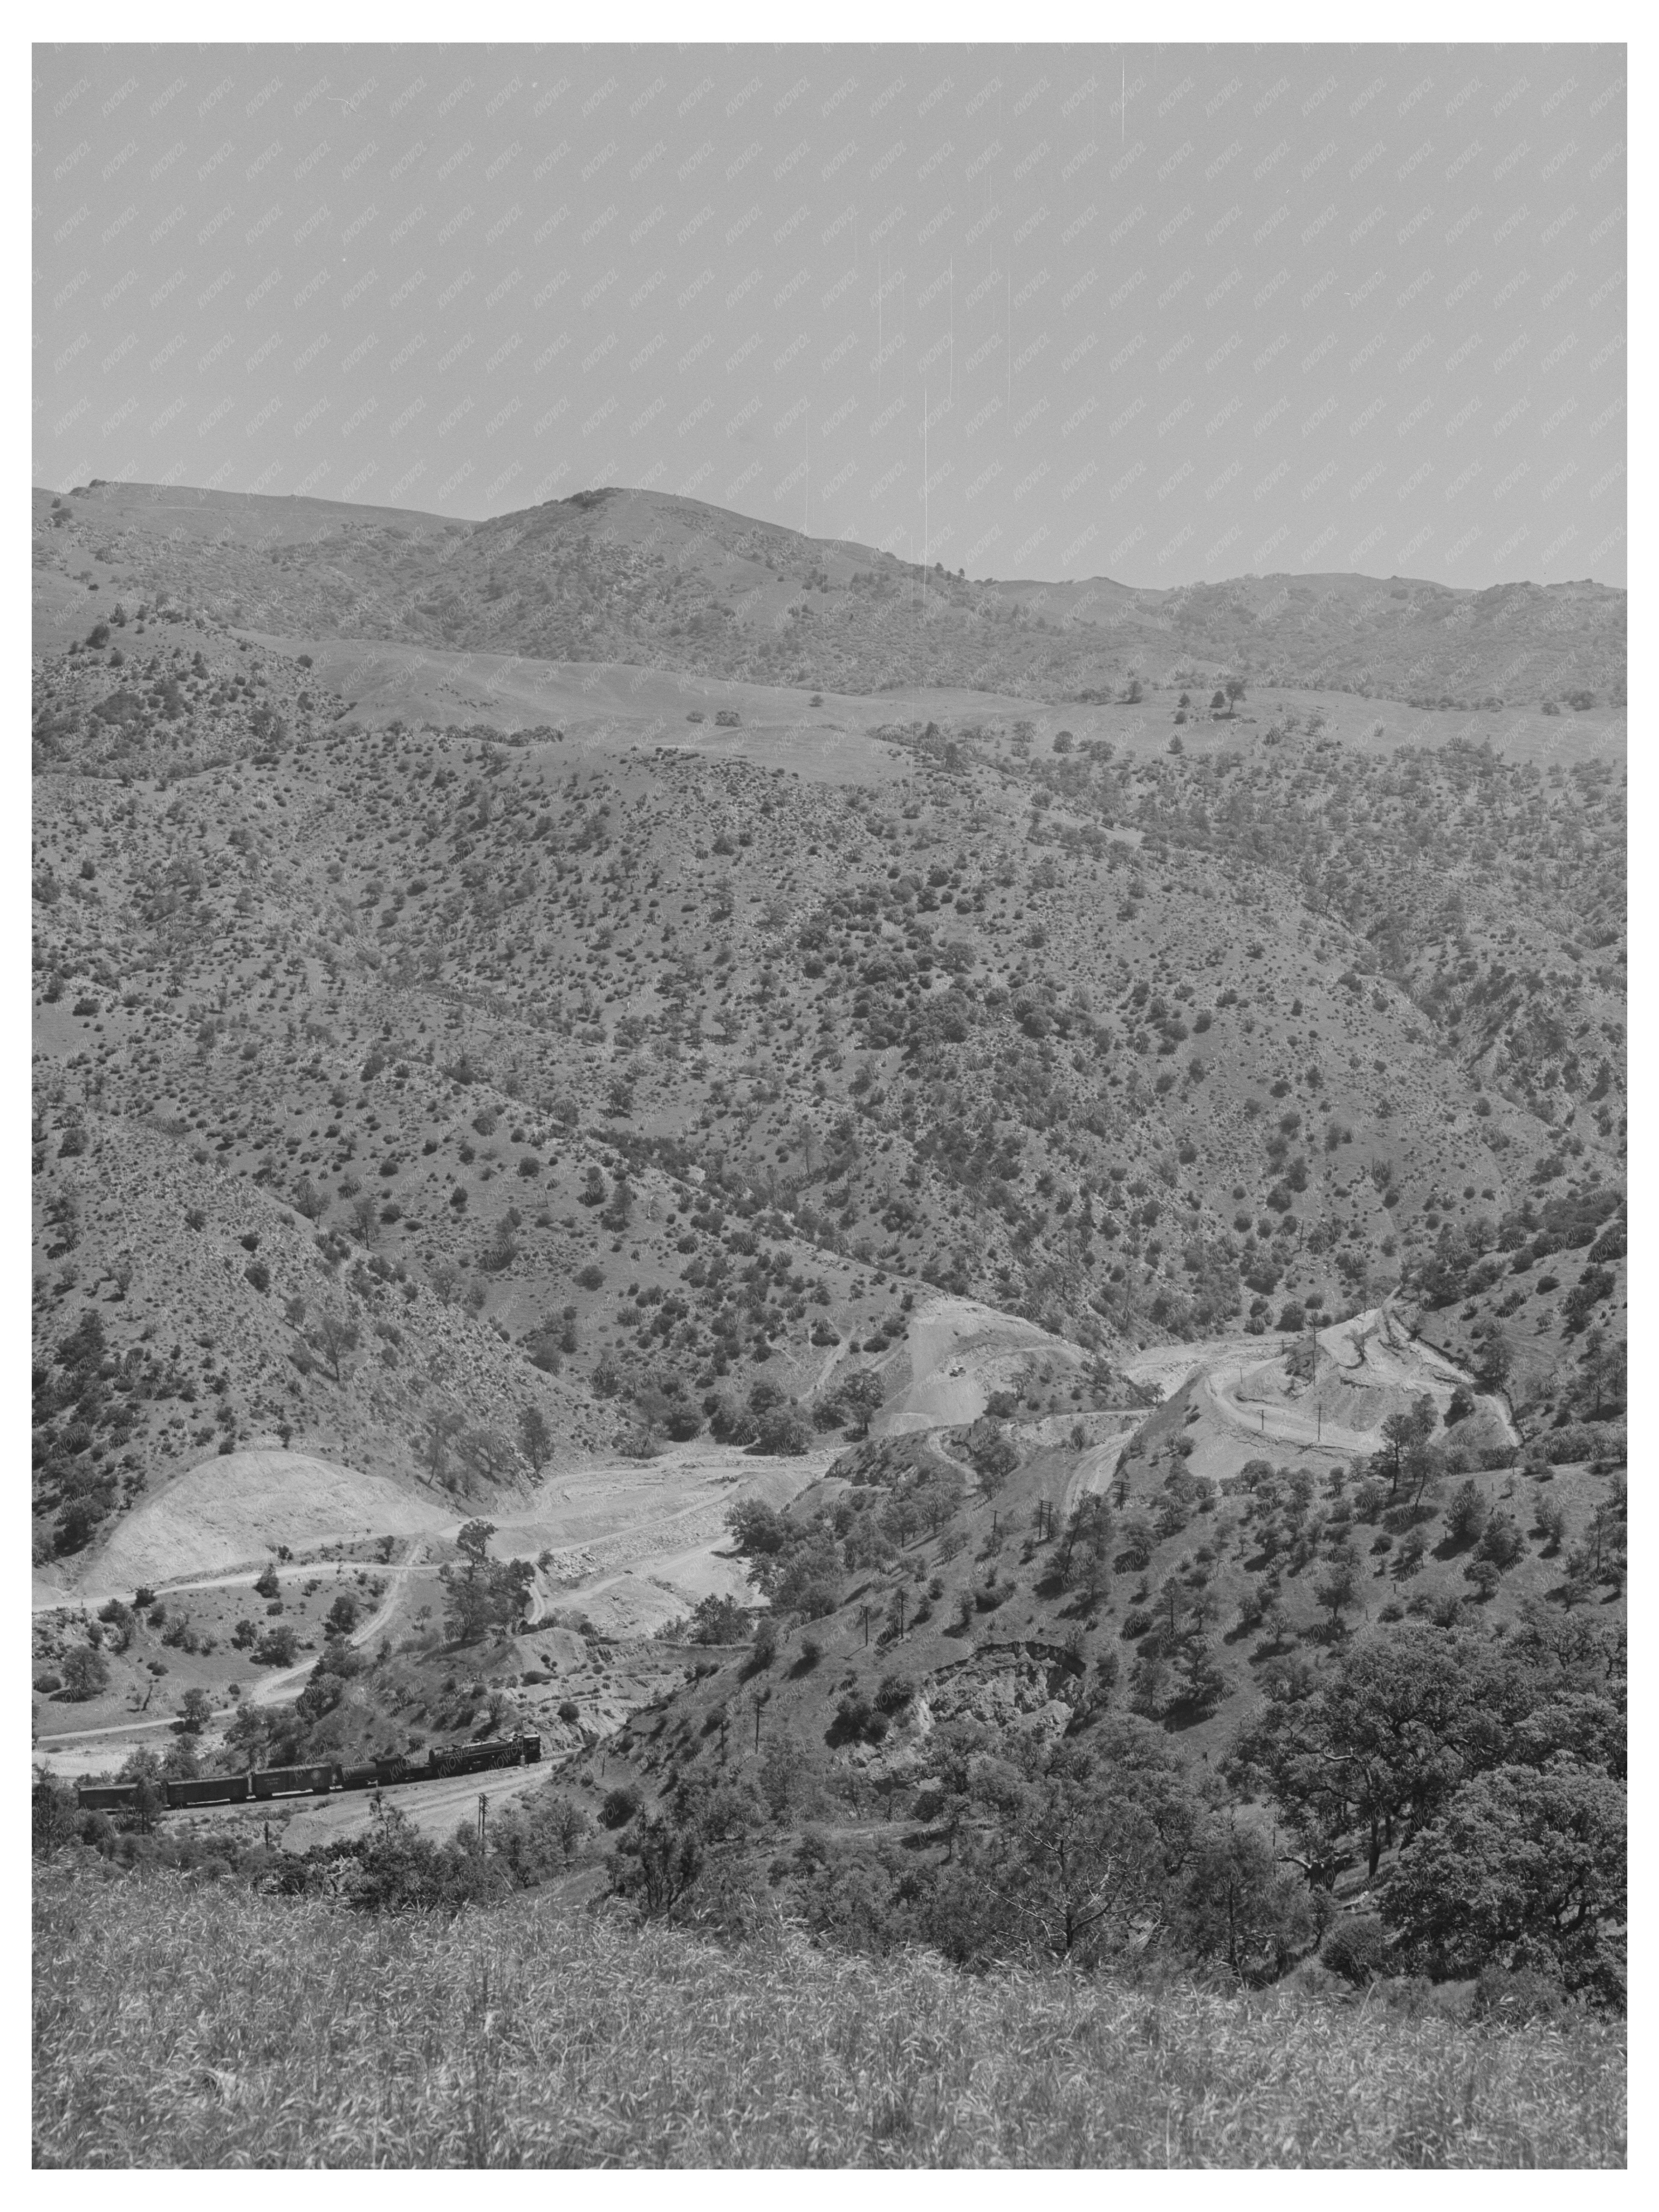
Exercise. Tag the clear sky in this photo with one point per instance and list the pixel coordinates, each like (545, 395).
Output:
(1279, 307)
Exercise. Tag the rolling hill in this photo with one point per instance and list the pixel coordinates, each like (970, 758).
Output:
(519, 996)
(651, 579)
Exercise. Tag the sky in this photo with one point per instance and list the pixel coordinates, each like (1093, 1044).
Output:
(1162, 313)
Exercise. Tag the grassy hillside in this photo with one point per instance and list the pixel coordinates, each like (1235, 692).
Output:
(275, 2033)
(384, 1078)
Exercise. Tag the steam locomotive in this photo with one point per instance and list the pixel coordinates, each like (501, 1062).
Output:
(440, 1763)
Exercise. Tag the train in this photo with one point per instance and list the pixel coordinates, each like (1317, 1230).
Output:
(320, 1778)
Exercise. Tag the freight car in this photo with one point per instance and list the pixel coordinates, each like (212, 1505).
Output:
(320, 1779)
(227, 1790)
(107, 1797)
(295, 1781)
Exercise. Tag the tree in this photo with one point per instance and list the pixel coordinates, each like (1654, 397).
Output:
(1402, 1432)
(1235, 692)
(179, 1762)
(1238, 1903)
(1603, 1368)
(863, 1394)
(758, 1529)
(485, 1455)
(53, 1810)
(342, 1617)
(1152, 1681)
(1202, 1683)
(440, 1427)
(1338, 1588)
(716, 1620)
(1551, 1521)
(782, 1768)
(783, 1431)
(1409, 1554)
(1494, 1357)
(994, 1454)
(1485, 1577)
(1466, 1517)
(1424, 1465)
(487, 1594)
(472, 1541)
(1520, 1862)
(1139, 1541)
(195, 1710)
(1382, 1735)
(86, 1674)
(1501, 1541)
(267, 1585)
(535, 1436)
(334, 1338)
(1077, 1845)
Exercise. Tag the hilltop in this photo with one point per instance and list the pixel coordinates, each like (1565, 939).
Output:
(671, 583)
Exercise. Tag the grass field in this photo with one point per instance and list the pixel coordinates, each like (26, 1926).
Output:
(200, 2025)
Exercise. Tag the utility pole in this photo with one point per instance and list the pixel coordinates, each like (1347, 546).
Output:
(483, 1817)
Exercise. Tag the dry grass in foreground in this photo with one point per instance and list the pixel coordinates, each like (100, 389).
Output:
(196, 2026)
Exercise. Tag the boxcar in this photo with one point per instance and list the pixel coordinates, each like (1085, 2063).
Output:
(107, 1797)
(291, 1781)
(227, 1790)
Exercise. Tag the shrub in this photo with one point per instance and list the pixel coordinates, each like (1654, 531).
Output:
(1356, 1948)
(618, 1806)
(856, 1721)
(893, 1694)
(1518, 1994)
